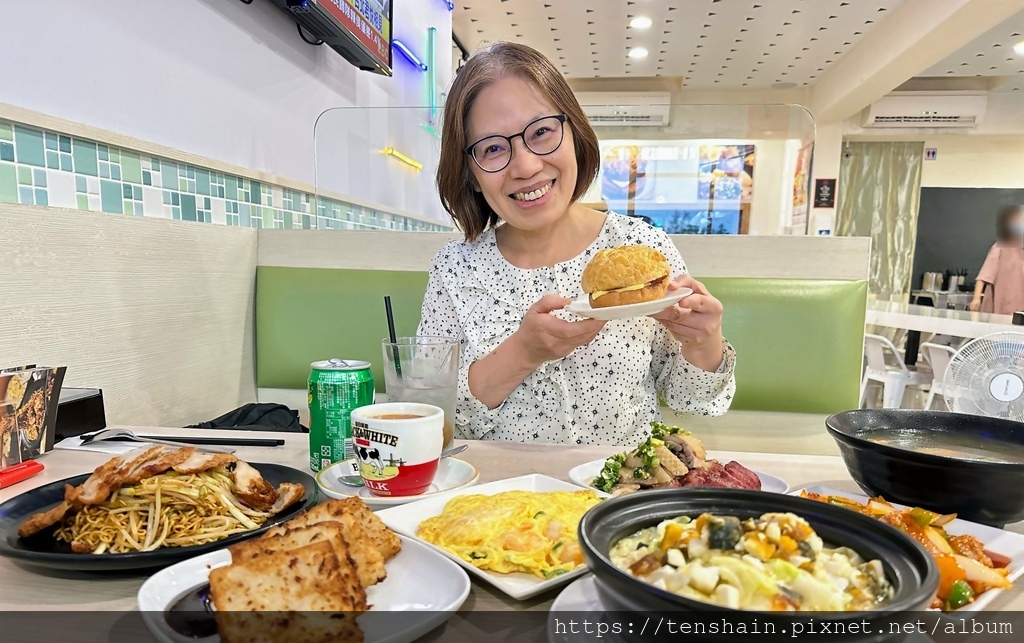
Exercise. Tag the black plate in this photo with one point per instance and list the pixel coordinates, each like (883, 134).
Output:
(908, 566)
(44, 550)
(983, 492)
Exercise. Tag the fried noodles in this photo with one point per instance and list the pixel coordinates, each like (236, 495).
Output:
(165, 510)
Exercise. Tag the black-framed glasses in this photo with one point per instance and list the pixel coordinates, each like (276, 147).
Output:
(542, 137)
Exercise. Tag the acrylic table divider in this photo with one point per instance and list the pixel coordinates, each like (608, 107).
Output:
(689, 169)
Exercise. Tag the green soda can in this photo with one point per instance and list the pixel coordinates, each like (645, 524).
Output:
(336, 388)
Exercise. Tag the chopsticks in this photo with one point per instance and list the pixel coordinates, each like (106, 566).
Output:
(237, 442)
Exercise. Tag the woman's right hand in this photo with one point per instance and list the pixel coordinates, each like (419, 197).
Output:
(975, 305)
(542, 337)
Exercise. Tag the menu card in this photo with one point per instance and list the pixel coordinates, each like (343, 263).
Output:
(29, 398)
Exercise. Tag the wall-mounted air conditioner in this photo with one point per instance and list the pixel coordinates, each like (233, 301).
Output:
(927, 110)
(626, 109)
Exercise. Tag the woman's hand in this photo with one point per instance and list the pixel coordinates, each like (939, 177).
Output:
(542, 337)
(975, 305)
(696, 321)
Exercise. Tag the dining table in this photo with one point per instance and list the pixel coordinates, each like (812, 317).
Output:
(938, 321)
(24, 588)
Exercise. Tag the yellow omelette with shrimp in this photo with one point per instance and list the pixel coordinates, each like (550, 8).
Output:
(513, 531)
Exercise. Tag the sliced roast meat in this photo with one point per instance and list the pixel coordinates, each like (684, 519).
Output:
(748, 477)
(713, 474)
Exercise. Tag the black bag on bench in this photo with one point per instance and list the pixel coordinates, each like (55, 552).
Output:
(257, 417)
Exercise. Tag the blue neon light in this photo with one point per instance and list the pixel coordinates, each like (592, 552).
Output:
(397, 44)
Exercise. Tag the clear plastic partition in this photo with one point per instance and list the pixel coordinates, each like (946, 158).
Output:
(689, 169)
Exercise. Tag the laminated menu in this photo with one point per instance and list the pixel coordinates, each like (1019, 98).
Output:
(29, 398)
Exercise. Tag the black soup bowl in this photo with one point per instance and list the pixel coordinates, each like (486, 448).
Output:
(969, 465)
(910, 569)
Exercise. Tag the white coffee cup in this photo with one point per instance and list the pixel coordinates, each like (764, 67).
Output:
(398, 446)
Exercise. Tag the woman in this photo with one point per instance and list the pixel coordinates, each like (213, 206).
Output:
(517, 153)
(1003, 270)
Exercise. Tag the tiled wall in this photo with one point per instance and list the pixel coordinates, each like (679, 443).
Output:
(50, 168)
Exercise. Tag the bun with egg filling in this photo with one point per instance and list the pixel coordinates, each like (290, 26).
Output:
(625, 275)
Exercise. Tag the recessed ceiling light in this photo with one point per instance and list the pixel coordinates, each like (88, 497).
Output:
(1019, 48)
(638, 52)
(640, 22)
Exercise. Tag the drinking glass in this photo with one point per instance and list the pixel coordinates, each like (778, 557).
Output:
(424, 369)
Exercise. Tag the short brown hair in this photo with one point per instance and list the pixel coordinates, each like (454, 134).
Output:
(467, 207)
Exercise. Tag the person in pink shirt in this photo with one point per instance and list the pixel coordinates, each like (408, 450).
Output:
(1003, 270)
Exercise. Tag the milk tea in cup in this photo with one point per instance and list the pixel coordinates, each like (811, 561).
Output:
(397, 446)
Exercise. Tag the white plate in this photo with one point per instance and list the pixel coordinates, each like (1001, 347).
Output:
(999, 541)
(584, 473)
(452, 474)
(580, 596)
(582, 307)
(407, 518)
(403, 590)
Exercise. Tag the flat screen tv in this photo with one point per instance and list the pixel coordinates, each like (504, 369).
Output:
(359, 30)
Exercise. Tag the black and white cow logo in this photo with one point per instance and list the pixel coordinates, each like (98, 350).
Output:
(373, 457)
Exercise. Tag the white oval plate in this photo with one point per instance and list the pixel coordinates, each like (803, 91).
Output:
(584, 473)
(452, 474)
(582, 307)
(403, 590)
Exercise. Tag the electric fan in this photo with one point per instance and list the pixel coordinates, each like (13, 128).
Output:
(986, 377)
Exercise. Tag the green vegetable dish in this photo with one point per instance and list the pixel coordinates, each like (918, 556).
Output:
(772, 563)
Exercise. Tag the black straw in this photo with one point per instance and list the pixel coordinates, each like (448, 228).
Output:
(391, 334)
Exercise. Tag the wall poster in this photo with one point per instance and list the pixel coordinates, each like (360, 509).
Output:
(801, 190)
(683, 187)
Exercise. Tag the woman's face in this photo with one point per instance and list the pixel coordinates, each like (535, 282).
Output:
(532, 191)
(1017, 222)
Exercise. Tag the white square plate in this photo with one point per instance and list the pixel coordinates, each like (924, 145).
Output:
(407, 518)
(402, 591)
(999, 541)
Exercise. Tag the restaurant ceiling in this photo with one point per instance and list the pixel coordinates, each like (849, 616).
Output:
(989, 55)
(712, 44)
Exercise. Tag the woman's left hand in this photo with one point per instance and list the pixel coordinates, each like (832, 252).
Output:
(696, 321)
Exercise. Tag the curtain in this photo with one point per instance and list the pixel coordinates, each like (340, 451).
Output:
(879, 196)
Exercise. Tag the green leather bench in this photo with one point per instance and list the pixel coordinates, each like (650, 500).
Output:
(799, 343)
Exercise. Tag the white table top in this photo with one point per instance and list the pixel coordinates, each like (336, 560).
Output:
(25, 588)
(942, 321)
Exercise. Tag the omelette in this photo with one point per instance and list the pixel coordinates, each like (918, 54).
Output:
(514, 531)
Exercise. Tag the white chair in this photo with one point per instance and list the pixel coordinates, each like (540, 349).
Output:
(938, 356)
(894, 376)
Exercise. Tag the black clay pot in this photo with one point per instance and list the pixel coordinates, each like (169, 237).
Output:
(979, 491)
(908, 566)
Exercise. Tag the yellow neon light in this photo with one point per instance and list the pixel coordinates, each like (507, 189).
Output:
(402, 157)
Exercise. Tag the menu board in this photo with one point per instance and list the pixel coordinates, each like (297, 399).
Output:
(29, 398)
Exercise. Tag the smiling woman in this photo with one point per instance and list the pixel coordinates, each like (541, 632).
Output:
(517, 153)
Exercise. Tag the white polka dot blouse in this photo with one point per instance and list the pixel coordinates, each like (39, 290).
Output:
(606, 392)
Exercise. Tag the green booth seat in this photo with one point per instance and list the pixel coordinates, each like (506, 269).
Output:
(799, 342)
